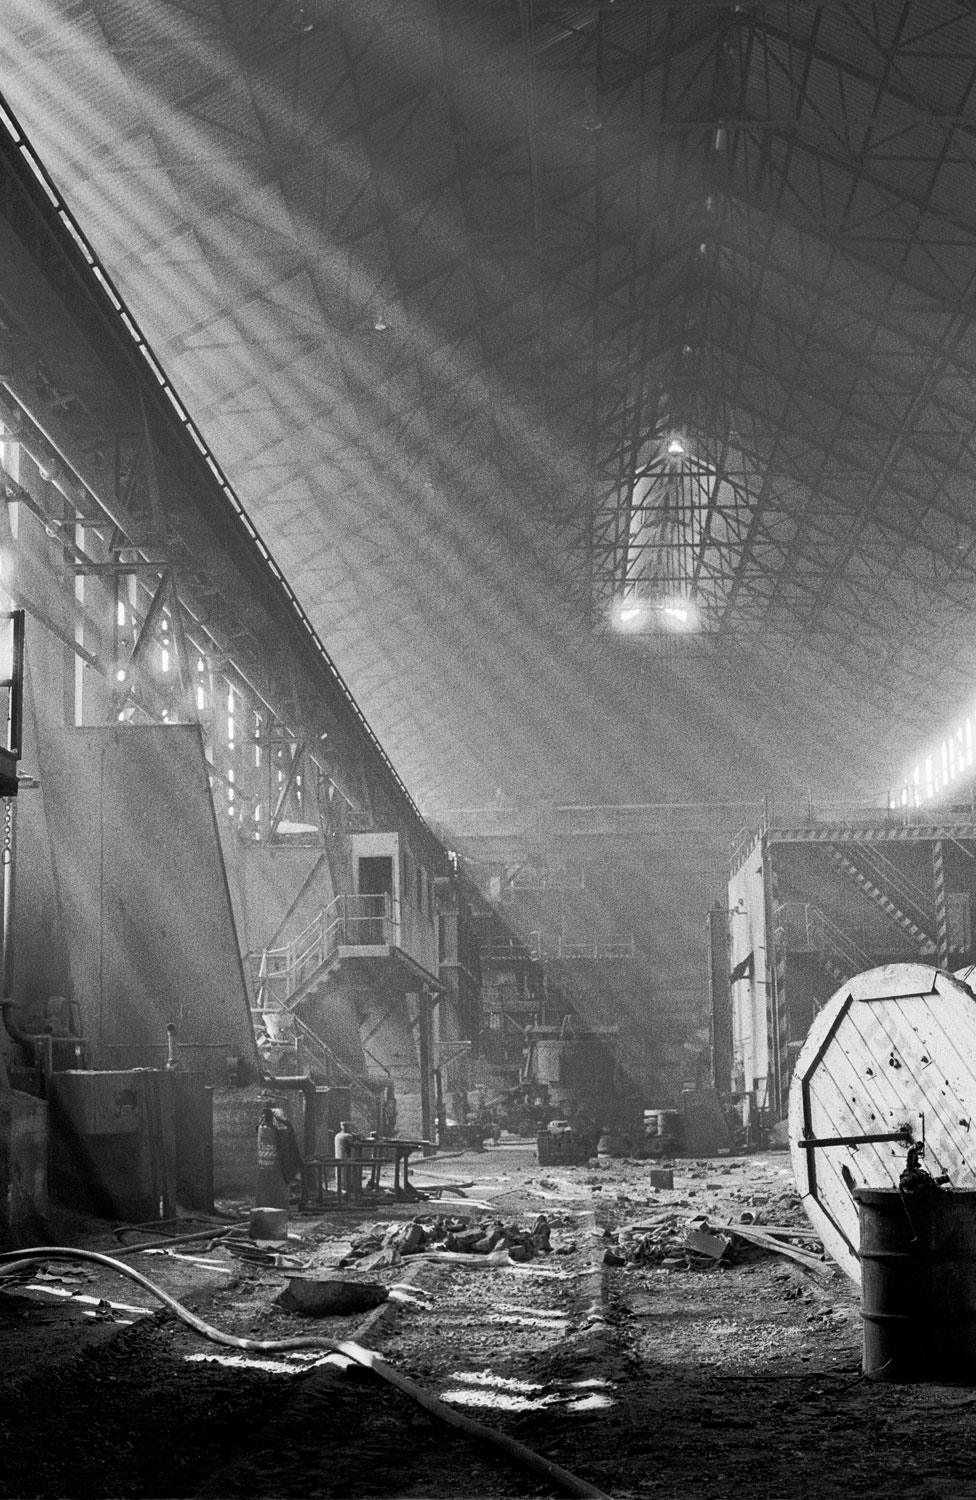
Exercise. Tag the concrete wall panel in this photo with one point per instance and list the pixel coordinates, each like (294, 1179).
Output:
(147, 909)
(275, 890)
(36, 963)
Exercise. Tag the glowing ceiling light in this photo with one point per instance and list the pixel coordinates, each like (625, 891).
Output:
(679, 614)
(628, 614)
(676, 448)
(642, 615)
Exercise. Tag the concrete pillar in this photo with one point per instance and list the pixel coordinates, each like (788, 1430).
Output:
(425, 1055)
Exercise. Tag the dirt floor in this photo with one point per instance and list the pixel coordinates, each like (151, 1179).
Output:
(639, 1351)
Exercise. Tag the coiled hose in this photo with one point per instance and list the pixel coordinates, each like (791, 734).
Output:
(512, 1449)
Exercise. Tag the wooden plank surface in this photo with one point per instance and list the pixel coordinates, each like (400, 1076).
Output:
(877, 1057)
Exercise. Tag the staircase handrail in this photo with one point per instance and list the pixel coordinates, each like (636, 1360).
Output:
(284, 972)
(824, 935)
(359, 1093)
(906, 892)
(842, 945)
(329, 1056)
(277, 963)
(305, 1031)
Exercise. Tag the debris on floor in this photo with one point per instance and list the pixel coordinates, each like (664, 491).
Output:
(450, 1234)
(677, 1242)
(809, 1252)
(568, 1354)
(330, 1296)
(702, 1240)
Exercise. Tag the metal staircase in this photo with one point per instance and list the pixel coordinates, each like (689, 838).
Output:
(800, 927)
(284, 977)
(303, 1050)
(318, 1057)
(872, 872)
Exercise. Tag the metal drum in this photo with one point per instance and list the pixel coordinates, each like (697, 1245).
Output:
(918, 1279)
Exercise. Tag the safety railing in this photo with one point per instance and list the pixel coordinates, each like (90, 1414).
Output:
(854, 817)
(501, 951)
(742, 845)
(802, 925)
(546, 945)
(915, 901)
(319, 1057)
(282, 975)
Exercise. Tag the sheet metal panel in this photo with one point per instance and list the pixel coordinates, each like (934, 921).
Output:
(145, 903)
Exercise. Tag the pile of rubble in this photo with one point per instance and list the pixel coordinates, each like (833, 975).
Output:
(662, 1242)
(385, 1245)
(676, 1243)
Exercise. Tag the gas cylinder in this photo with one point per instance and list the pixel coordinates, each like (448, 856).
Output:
(270, 1186)
(350, 1178)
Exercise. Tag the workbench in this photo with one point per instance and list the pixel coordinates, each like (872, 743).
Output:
(349, 1170)
(400, 1151)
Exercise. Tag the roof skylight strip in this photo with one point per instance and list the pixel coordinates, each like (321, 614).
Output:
(134, 333)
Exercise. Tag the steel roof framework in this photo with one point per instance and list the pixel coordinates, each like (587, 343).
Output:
(584, 226)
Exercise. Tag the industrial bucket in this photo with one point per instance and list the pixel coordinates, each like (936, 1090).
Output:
(918, 1284)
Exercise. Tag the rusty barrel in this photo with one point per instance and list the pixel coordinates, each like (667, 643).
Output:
(918, 1284)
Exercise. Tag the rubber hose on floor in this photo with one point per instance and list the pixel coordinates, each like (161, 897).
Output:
(510, 1447)
(254, 1346)
(527, 1458)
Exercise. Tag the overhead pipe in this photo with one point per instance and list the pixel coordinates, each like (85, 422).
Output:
(305, 1084)
(37, 1047)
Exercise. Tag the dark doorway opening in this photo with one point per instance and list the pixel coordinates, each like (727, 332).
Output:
(376, 882)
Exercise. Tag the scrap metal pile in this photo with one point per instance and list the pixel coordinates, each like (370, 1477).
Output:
(676, 1243)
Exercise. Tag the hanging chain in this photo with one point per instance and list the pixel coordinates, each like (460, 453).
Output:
(8, 831)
